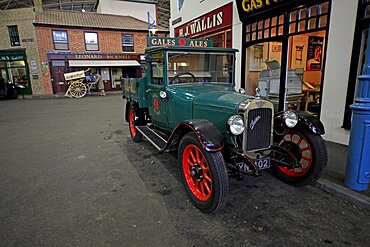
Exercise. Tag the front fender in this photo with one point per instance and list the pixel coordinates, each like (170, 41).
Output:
(305, 120)
(207, 134)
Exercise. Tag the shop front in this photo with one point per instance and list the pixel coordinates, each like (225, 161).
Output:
(283, 51)
(14, 69)
(215, 26)
(111, 66)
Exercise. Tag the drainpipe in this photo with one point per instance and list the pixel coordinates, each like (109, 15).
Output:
(358, 160)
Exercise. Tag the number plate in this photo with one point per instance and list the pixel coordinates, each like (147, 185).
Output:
(263, 163)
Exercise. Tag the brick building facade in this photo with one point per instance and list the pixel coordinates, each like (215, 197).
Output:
(19, 56)
(114, 51)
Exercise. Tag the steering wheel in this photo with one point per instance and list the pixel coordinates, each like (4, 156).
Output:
(177, 77)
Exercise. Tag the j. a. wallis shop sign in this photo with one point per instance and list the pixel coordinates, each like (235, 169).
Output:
(248, 8)
(215, 20)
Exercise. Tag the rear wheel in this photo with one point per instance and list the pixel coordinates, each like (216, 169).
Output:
(135, 135)
(309, 150)
(203, 174)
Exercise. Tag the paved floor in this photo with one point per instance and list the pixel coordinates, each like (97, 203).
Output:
(71, 176)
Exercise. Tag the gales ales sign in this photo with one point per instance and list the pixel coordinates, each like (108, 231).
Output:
(159, 41)
(247, 8)
(215, 20)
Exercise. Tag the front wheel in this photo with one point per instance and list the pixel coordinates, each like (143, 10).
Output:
(309, 151)
(203, 174)
(135, 135)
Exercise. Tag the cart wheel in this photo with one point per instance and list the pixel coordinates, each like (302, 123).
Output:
(203, 174)
(78, 89)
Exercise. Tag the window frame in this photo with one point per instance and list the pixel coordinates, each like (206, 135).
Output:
(133, 42)
(97, 41)
(14, 38)
(58, 42)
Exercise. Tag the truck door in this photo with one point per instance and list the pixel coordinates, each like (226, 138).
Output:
(157, 106)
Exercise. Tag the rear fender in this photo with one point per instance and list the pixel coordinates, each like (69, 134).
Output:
(207, 134)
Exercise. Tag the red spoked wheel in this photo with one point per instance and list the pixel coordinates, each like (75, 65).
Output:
(197, 174)
(135, 135)
(298, 145)
(309, 151)
(204, 175)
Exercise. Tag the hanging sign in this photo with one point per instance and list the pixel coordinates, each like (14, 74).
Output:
(161, 41)
(248, 8)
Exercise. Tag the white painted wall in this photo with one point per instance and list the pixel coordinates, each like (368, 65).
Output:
(192, 9)
(135, 9)
(338, 59)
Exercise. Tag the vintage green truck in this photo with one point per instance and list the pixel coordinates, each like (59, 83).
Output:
(187, 102)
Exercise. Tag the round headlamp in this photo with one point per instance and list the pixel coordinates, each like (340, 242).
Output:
(236, 124)
(290, 119)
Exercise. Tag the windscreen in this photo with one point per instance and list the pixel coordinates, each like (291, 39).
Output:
(198, 67)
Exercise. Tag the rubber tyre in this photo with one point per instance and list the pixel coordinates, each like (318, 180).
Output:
(316, 162)
(135, 135)
(216, 171)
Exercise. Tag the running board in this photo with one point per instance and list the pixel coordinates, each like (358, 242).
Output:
(152, 137)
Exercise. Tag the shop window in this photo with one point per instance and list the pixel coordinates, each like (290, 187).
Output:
(14, 36)
(91, 42)
(228, 39)
(58, 63)
(263, 29)
(128, 42)
(18, 73)
(116, 77)
(301, 34)
(308, 18)
(60, 40)
(218, 40)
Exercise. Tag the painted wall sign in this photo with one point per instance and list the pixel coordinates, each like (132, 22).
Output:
(215, 20)
(159, 41)
(248, 8)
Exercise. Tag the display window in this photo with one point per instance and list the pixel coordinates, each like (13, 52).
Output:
(15, 71)
(221, 39)
(284, 56)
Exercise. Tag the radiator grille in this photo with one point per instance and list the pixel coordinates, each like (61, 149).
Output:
(258, 129)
